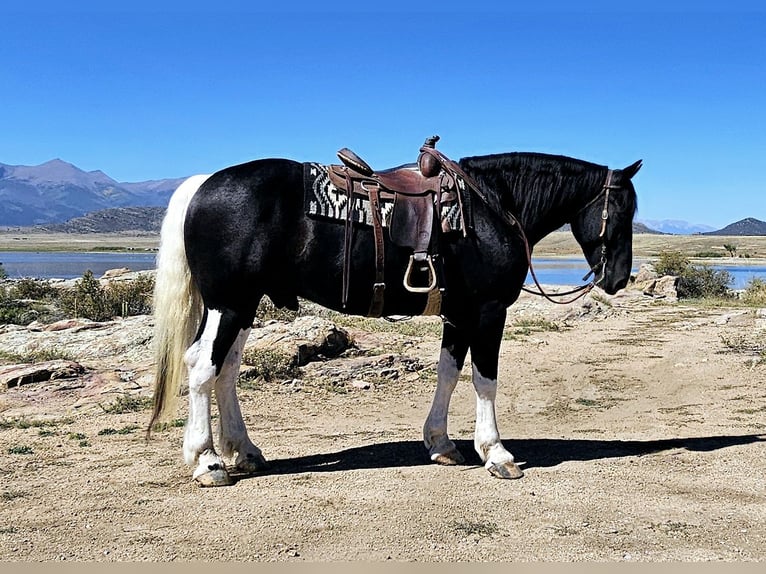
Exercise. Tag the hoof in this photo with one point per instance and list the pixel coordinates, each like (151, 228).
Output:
(251, 463)
(508, 470)
(450, 458)
(213, 475)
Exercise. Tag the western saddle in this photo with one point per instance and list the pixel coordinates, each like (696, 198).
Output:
(418, 193)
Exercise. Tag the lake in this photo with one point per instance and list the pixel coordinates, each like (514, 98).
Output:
(61, 265)
(65, 265)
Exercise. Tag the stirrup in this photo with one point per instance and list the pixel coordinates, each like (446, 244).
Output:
(431, 274)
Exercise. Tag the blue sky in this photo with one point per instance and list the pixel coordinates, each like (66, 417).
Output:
(148, 93)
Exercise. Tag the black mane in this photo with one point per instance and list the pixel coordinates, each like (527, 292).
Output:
(528, 184)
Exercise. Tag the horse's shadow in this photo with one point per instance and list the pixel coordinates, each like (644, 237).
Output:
(536, 453)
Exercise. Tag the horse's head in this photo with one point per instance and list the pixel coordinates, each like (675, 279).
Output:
(604, 229)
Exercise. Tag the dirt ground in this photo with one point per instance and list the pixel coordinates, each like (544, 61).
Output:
(641, 423)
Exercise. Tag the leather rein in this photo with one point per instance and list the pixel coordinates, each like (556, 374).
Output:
(599, 267)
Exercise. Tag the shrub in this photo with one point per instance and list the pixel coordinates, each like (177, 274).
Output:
(671, 263)
(86, 299)
(695, 281)
(3, 272)
(704, 281)
(127, 404)
(128, 298)
(271, 364)
(755, 292)
(89, 299)
(32, 289)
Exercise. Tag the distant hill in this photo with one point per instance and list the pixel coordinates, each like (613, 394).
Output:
(112, 220)
(57, 191)
(637, 228)
(747, 226)
(677, 227)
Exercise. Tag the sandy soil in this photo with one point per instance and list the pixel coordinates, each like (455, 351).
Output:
(641, 422)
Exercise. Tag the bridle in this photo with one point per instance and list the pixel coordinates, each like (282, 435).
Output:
(598, 268)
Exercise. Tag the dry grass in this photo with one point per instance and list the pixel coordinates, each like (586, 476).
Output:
(559, 243)
(562, 243)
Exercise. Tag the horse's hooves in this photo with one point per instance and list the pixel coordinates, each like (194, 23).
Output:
(216, 476)
(506, 470)
(252, 463)
(450, 458)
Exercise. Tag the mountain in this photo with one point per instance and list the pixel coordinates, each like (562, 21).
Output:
(57, 191)
(747, 226)
(677, 227)
(112, 220)
(637, 228)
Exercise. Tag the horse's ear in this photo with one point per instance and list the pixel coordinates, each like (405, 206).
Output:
(632, 169)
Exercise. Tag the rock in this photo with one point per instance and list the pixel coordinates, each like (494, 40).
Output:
(121, 341)
(23, 374)
(646, 274)
(666, 287)
(306, 338)
(112, 273)
(75, 324)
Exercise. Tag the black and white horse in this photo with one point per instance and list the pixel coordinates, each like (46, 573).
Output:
(232, 237)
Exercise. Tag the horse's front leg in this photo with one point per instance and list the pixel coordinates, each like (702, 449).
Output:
(485, 351)
(233, 436)
(440, 448)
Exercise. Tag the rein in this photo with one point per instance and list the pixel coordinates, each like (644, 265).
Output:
(582, 290)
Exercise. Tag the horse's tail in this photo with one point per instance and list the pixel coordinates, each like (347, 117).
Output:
(177, 304)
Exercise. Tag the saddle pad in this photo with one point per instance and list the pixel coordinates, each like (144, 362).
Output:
(325, 201)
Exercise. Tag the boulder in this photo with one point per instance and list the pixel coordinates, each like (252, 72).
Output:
(646, 276)
(23, 374)
(307, 338)
(665, 287)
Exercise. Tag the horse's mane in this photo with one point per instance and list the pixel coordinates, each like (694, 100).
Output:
(528, 183)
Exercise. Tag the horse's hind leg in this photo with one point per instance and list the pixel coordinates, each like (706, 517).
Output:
(205, 359)
(233, 436)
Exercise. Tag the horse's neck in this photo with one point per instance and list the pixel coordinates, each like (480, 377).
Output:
(542, 217)
(527, 186)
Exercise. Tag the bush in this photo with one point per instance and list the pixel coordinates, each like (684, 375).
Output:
(755, 292)
(695, 281)
(3, 272)
(128, 298)
(89, 299)
(704, 281)
(32, 289)
(671, 263)
(271, 364)
(16, 309)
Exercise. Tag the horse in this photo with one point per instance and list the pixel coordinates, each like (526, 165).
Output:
(232, 237)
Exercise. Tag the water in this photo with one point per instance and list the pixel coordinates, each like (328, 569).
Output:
(571, 271)
(46, 265)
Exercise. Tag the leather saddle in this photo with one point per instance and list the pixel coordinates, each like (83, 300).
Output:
(418, 193)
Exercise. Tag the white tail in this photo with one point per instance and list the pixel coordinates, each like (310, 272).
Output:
(177, 304)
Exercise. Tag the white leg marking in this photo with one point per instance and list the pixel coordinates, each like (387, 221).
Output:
(198, 436)
(440, 448)
(233, 437)
(486, 441)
